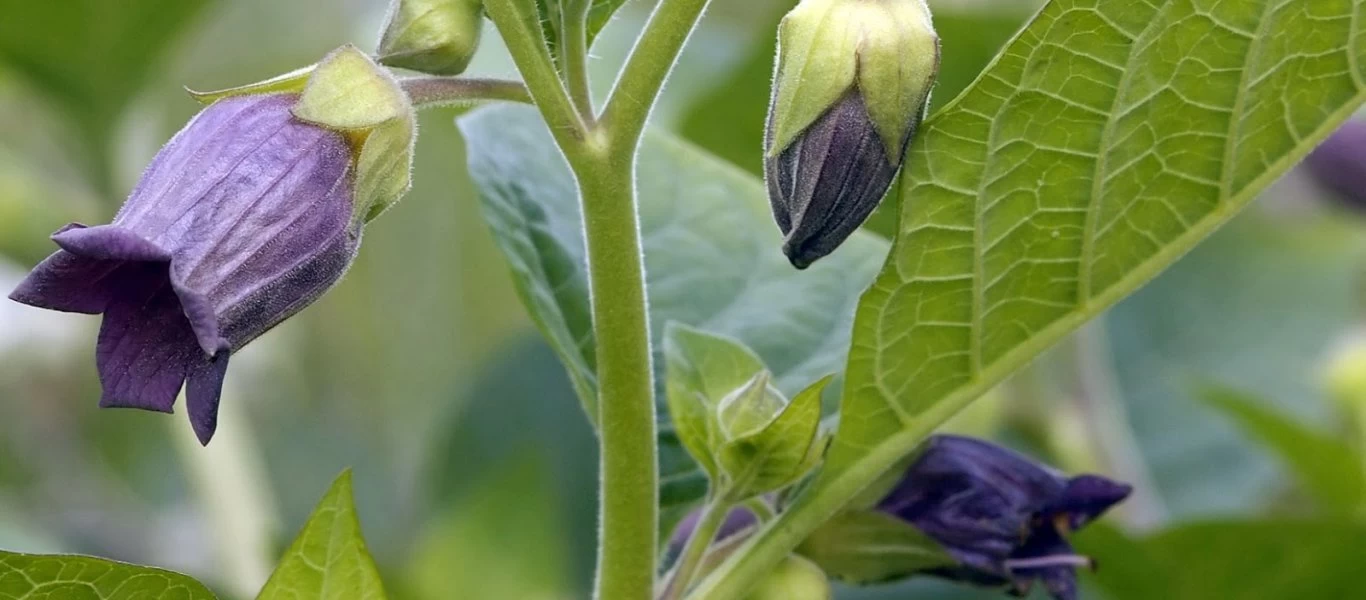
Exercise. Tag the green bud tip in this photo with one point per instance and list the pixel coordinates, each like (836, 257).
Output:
(438, 37)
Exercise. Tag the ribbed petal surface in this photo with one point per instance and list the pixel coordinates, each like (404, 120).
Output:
(826, 183)
(242, 220)
(998, 513)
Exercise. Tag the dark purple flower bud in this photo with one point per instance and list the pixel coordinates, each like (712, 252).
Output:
(827, 183)
(1003, 517)
(850, 88)
(243, 219)
(1339, 163)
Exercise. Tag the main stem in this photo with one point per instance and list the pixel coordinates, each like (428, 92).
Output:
(602, 156)
(629, 502)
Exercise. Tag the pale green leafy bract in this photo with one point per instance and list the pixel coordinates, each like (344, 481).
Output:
(1329, 468)
(712, 260)
(868, 547)
(1104, 142)
(328, 561)
(69, 577)
(700, 370)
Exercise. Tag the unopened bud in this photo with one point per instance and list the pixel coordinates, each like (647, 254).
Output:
(793, 579)
(433, 36)
(853, 79)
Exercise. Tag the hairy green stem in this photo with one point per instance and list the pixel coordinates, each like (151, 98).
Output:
(708, 523)
(574, 55)
(641, 80)
(428, 92)
(629, 467)
(602, 157)
(520, 28)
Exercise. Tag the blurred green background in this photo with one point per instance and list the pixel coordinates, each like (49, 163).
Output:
(1213, 388)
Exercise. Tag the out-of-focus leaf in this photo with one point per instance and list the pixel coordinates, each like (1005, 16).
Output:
(91, 56)
(1232, 560)
(69, 577)
(1328, 467)
(1235, 310)
(505, 540)
(729, 120)
(1106, 141)
(711, 255)
(328, 561)
(521, 411)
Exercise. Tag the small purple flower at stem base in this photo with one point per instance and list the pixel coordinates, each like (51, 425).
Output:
(737, 520)
(1339, 164)
(1003, 517)
(243, 219)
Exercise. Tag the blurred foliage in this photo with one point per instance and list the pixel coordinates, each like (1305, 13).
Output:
(91, 56)
(474, 469)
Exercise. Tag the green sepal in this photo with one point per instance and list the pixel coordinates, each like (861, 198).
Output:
(864, 547)
(348, 92)
(898, 64)
(751, 408)
(781, 451)
(886, 50)
(291, 82)
(432, 36)
(700, 370)
(816, 66)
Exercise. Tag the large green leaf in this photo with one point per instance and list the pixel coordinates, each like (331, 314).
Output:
(712, 259)
(1106, 140)
(68, 577)
(1231, 560)
(90, 56)
(328, 561)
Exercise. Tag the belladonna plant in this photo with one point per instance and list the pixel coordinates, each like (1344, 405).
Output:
(243, 219)
(1081, 162)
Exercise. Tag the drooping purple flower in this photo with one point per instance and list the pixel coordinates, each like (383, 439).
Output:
(243, 219)
(1339, 163)
(1002, 516)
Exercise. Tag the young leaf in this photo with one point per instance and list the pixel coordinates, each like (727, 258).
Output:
(781, 452)
(41, 577)
(712, 258)
(700, 370)
(328, 561)
(1104, 142)
(1328, 467)
(867, 546)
